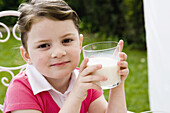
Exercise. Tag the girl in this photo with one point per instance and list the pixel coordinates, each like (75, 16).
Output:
(51, 83)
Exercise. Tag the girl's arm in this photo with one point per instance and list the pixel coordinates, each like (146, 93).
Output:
(117, 101)
(98, 106)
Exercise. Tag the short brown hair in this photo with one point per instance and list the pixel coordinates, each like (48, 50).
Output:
(36, 9)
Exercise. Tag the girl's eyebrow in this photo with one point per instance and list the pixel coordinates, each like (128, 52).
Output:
(41, 41)
(68, 34)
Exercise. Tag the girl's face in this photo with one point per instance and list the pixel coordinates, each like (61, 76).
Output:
(53, 47)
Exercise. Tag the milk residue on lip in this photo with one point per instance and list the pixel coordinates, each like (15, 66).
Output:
(109, 69)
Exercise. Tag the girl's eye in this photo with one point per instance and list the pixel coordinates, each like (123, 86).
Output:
(44, 46)
(67, 40)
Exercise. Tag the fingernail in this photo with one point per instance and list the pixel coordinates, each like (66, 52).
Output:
(105, 78)
(121, 55)
(118, 63)
(121, 59)
(99, 65)
(119, 71)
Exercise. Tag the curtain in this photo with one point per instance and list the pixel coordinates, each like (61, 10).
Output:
(157, 26)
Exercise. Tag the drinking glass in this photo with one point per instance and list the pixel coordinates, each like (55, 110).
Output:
(107, 54)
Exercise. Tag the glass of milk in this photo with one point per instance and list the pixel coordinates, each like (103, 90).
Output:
(107, 54)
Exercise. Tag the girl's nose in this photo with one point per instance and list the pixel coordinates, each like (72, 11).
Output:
(58, 53)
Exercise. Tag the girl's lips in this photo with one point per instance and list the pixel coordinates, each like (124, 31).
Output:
(60, 64)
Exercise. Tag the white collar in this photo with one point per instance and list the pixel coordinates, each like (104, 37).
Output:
(39, 83)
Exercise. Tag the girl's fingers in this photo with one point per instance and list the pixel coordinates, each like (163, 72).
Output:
(93, 78)
(122, 56)
(122, 64)
(124, 72)
(90, 69)
(121, 45)
(83, 64)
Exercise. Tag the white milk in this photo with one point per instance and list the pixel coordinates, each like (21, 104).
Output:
(109, 69)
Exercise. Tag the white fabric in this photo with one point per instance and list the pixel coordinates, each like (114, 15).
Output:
(157, 25)
(39, 84)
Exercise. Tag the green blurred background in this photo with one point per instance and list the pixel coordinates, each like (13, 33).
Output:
(100, 20)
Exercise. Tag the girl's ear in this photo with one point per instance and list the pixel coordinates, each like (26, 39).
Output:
(81, 40)
(25, 55)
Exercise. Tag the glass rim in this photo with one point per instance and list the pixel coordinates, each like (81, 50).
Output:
(105, 42)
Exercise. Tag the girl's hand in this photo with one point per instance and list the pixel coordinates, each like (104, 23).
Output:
(86, 80)
(124, 70)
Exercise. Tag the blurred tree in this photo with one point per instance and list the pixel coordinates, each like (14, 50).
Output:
(135, 21)
(113, 18)
(9, 5)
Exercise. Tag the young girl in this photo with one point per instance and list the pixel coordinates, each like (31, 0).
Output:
(51, 83)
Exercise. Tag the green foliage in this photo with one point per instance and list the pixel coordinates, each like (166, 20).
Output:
(136, 86)
(123, 19)
(10, 57)
(9, 5)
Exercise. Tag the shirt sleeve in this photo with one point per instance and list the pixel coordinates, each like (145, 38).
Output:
(19, 96)
(95, 94)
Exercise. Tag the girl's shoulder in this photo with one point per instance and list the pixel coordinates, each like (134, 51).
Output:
(20, 79)
(19, 84)
(19, 94)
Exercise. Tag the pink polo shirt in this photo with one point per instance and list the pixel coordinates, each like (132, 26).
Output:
(20, 96)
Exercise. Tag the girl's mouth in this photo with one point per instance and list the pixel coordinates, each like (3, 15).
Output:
(60, 63)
